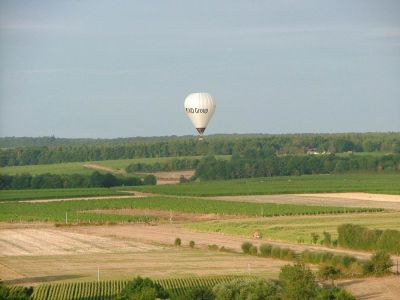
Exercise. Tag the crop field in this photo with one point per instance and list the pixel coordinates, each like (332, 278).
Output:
(79, 210)
(373, 183)
(11, 195)
(291, 229)
(78, 168)
(104, 290)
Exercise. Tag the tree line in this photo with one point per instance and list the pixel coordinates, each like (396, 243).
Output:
(48, 181)
(259, 164)
(13, 151)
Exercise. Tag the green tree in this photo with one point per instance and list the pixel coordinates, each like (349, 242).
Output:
(142, 289)
(314, 237)
(329, 272)
(246, 247)
(298, 282)
(380, 263)
(199, 293)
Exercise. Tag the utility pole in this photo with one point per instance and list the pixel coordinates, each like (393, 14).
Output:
(98, 273)
(66, 217)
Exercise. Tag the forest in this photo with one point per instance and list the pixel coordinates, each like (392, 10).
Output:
(47, 150)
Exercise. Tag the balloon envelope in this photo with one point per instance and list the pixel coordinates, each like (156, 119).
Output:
(199, 107)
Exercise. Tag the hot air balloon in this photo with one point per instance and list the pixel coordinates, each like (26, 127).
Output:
(200, 107)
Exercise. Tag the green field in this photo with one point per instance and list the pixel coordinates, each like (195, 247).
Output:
(77, 167)
(55, 211)
(11, 195)
(292, 229)
(105, 290)
(373, 183)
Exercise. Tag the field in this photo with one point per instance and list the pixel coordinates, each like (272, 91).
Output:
(104, 290)
(10, 195)
(372, 183)
(78, 167)
(79, 211)
(291, 229)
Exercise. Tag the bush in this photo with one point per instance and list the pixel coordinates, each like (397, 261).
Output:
(199, 293)
(253, 250)
(276, 252)
(329, 272)
(142, 289)
(265, 250)
(334, 293)
(178, 242)
(379, 264)
(362, 238)
(150, 180)
(247, 289)
(246, 247)
(191, 244)
(213, 247)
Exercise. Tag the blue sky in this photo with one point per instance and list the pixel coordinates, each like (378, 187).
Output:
(123, 68)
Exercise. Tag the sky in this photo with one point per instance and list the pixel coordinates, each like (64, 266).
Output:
(107, 69)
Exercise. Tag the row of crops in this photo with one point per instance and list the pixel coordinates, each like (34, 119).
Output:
(105, 290)
(80, 211)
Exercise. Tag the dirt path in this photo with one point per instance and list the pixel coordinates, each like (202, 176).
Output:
(383, 288)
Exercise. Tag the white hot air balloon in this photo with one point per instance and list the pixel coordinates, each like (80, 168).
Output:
(200, 107)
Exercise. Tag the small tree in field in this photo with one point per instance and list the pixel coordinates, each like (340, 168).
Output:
(329, 272)
(191, 244)
(314, 237)
(178, 242)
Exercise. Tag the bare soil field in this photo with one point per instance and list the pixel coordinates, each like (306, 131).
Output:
(329, 199)
(53, 241)
(383, 288)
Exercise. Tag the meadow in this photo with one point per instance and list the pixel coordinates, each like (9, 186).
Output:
(12, 195)
(79, 210)
(371, 183)
(290, 229)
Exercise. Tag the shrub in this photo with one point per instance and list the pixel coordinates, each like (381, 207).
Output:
(276, 252)
(329, 272)
(327, 241)
(178, 242)
(191, 244)
(314, 237)
(199, 293)
(265, 250)
(253, 250)
(150, 180)
(246, 247)
(379, 264)
(213, 247)
(247, 289)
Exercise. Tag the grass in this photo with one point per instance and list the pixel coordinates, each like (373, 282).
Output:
(293, 229)
(79, 210)
(77, 167)
(372, 183)
(13, 195)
